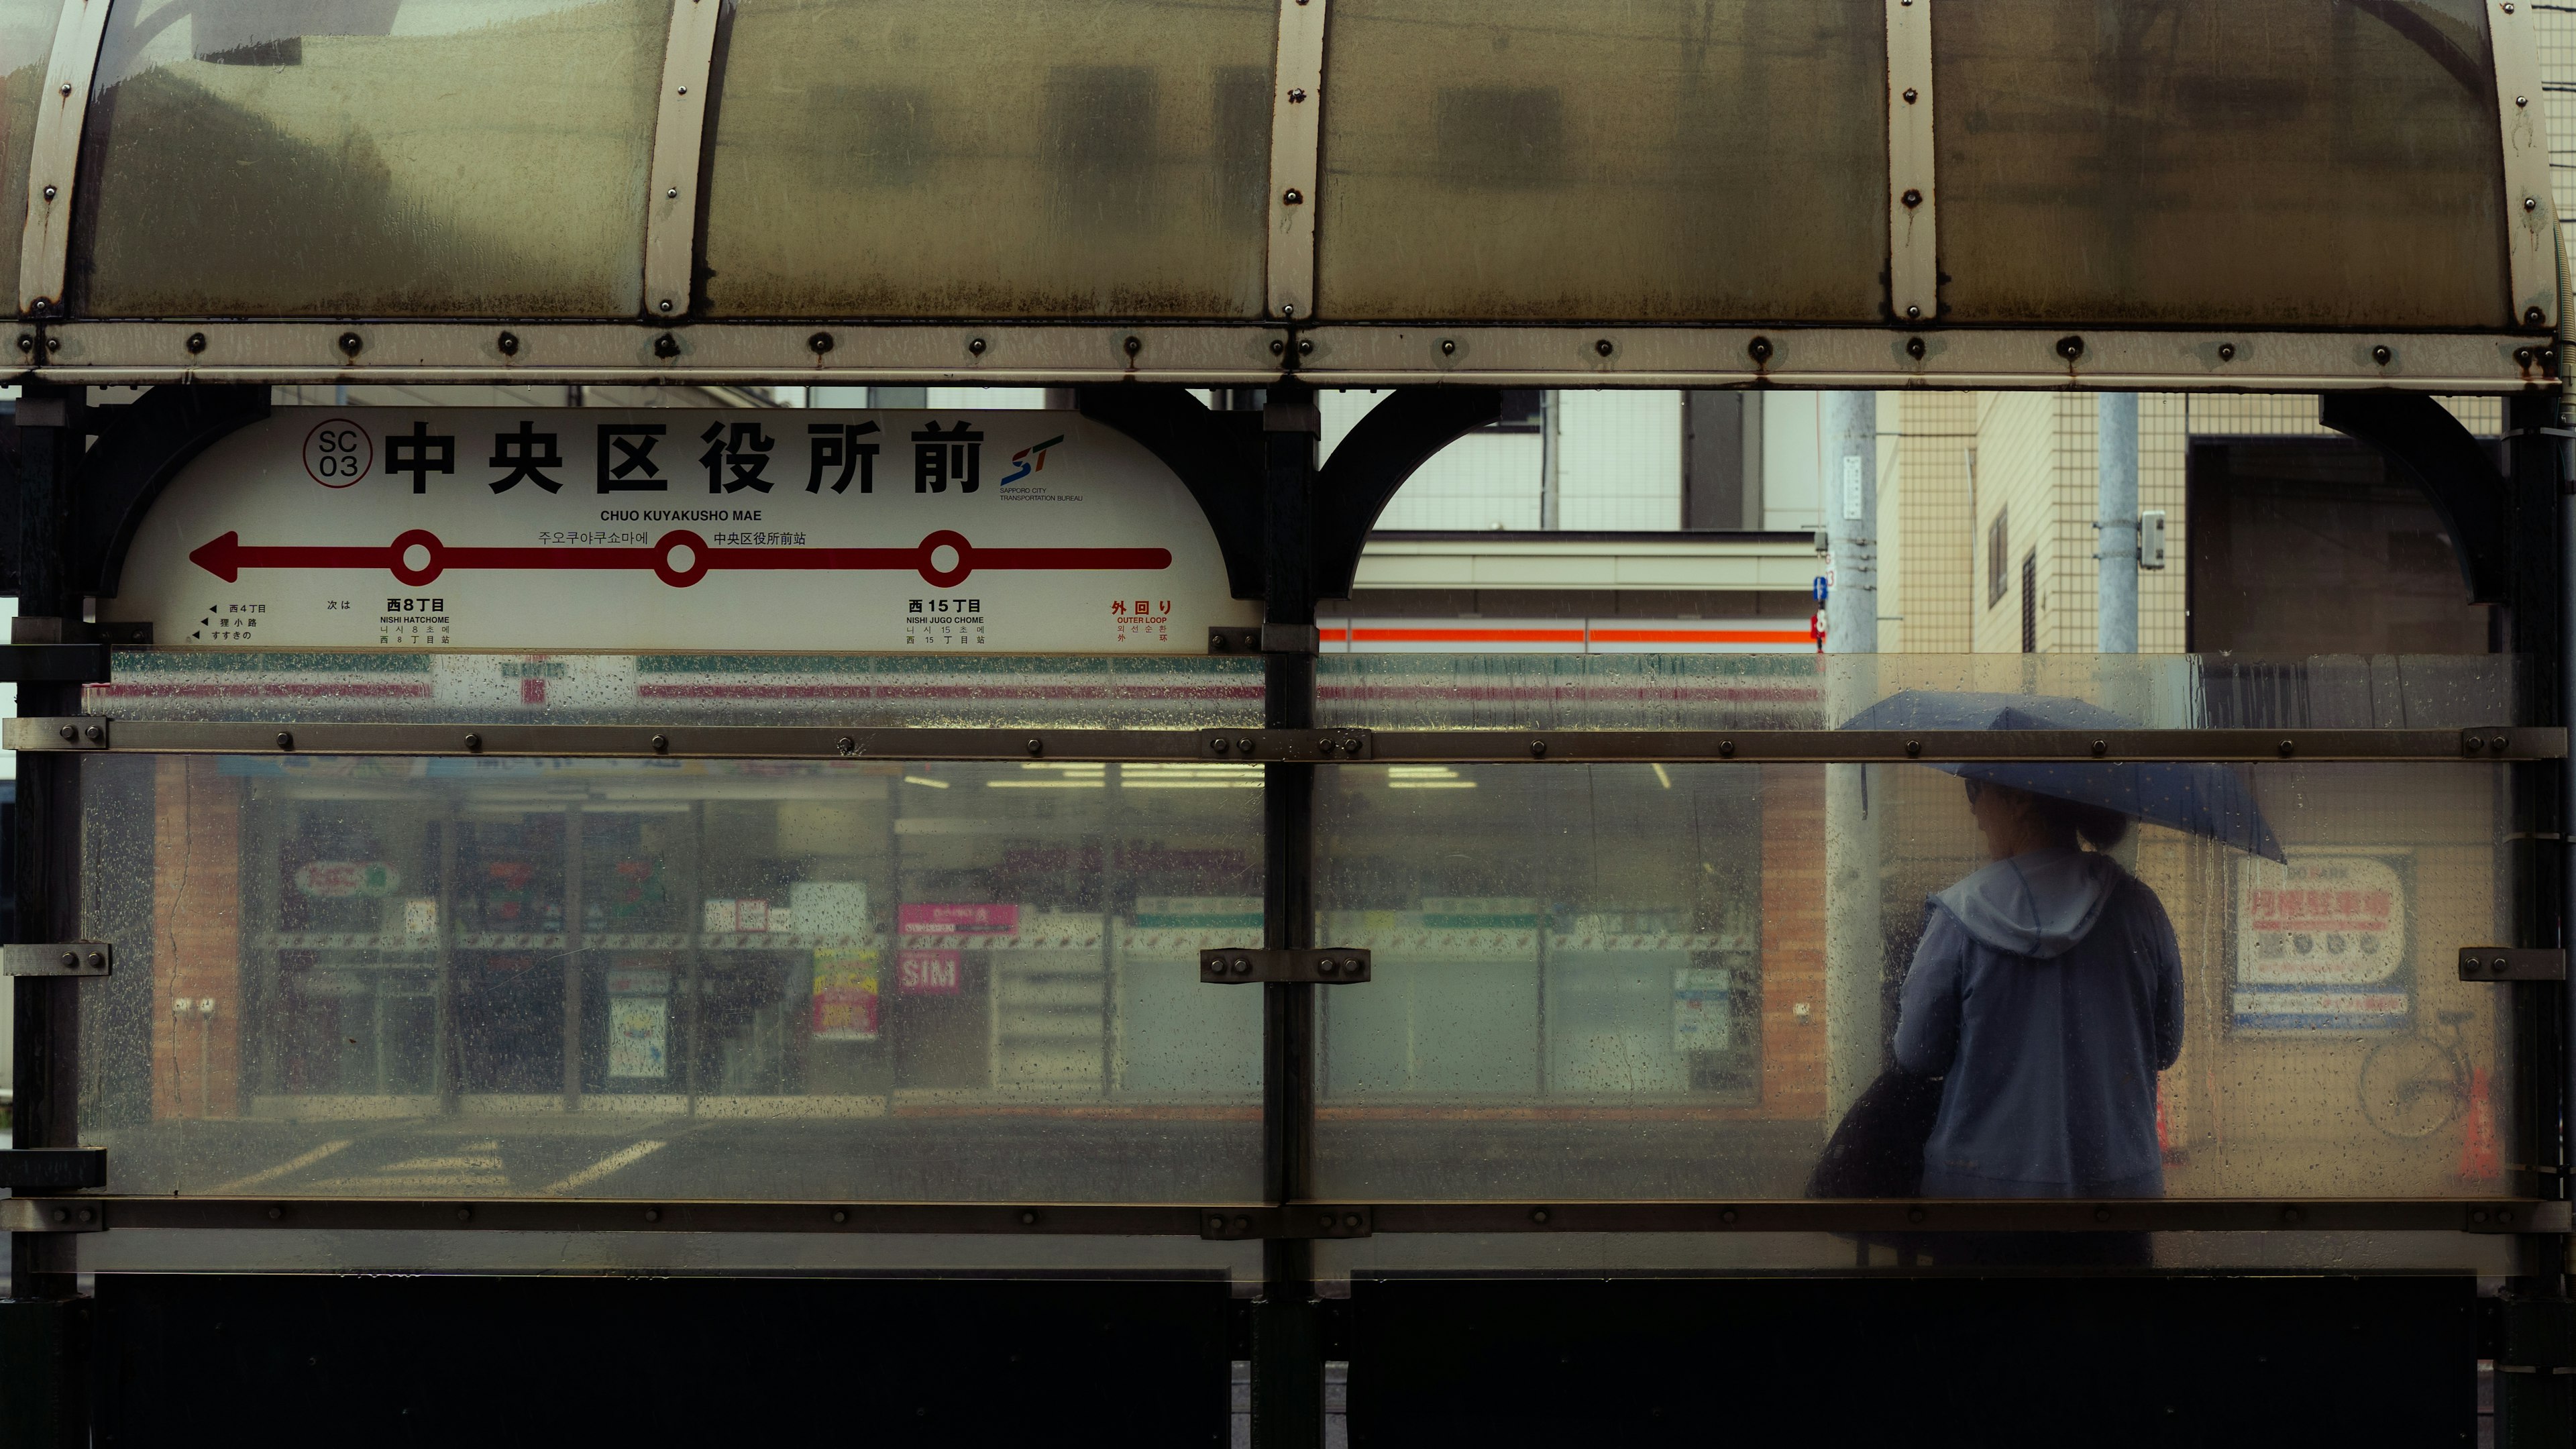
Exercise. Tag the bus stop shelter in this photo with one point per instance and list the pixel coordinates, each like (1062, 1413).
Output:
(590, 922)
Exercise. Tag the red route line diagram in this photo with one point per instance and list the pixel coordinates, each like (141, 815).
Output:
(678, 558)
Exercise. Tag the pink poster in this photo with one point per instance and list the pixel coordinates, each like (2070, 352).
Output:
(978, 918)
(845, 995)
(926, 973)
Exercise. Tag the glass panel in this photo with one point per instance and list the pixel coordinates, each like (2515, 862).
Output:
(868, 160)
(26, 43)
(674, 979)
(1669, 981)
(434, 158)
(1814, 691)
(2310, 163)
(748, 689)
(1658, 160)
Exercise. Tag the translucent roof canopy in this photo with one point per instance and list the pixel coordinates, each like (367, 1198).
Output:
(1825, 192)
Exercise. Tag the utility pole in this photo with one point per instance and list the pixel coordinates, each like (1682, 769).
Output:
(2116, 630)
(1855, 951)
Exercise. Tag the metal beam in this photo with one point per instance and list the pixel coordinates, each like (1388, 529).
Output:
(82, 734)
(679, 134)
(44, 245)
(1296, 131)
(526, 351)
(1291, 1222)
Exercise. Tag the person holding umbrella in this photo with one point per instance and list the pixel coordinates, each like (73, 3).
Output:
(2046, 994)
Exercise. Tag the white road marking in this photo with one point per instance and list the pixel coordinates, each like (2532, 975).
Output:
(298, 1164)
(619, 1160)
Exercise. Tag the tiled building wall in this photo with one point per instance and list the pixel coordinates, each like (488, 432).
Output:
(1927, 521)
(1619, 460)
(2014, 472)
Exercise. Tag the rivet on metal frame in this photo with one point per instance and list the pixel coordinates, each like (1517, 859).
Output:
(1914, 345)
(2070, 348)
(351, 343)
(820, 342)
(2227, 352)
(2382, 355)
(508, 342)
(1759, 349)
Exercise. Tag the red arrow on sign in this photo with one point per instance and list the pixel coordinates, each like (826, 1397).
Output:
(679, 558)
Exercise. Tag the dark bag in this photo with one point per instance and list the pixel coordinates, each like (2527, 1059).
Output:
(1878, 1149)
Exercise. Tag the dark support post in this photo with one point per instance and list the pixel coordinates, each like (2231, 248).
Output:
(2533, 1403)
(1287, 1320)
(46, 1084)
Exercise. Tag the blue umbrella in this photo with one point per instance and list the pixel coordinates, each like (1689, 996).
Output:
(2204, 799)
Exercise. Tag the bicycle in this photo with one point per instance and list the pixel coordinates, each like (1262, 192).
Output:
(2414, 1085)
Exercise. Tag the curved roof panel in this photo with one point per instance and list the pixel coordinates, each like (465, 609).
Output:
(1805, 191)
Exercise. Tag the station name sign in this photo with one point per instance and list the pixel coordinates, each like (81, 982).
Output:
(572, 529)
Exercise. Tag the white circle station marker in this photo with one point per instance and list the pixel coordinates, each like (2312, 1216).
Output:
(944, 558)
(416, 557)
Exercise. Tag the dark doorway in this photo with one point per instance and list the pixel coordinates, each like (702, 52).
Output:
(2315, 546)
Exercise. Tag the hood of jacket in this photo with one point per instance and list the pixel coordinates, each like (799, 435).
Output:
(2040, 904)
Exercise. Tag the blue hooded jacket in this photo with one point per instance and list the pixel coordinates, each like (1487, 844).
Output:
(2048, 994)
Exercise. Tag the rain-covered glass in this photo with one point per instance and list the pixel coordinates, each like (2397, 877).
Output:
(869, 690)
(903, 158)
(1660, 160)
(2295, 164)
(856, 980)
(378, 157)
(1817, 691)
(1671, 981)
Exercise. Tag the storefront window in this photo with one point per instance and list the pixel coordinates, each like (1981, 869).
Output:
(436, 969)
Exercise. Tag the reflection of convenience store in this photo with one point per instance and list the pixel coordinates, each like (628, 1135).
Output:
(531, 935)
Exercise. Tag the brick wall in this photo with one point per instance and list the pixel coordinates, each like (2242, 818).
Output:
(1793, 940)
(196, 925)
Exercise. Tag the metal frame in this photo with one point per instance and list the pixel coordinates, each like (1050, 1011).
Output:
(1291, 1221)
(1913, 205)
(679, 133)
(1296, 130)
(2531, 207)
(44, 246)
(97, 734)
(1254, 355)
